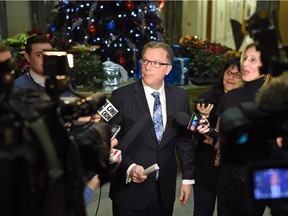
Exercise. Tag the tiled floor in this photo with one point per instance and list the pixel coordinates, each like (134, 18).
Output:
(105, 206)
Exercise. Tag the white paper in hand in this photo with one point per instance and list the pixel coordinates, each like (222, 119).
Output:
(151, 169)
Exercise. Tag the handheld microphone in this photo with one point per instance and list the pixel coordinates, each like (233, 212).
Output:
(72, 107)
(134, 131)
(107, 111)
(96, 100)
(184, 119)
(191, 123)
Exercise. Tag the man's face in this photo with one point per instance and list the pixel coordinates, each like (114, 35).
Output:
(36, 57)
(154, 76)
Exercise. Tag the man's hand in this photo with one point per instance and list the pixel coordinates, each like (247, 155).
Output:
(136, 174)
(185, 193)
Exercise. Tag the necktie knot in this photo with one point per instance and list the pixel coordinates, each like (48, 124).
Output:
(156, 95)
(157, 116)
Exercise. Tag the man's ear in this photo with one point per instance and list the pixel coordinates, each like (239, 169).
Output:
(169, 68)
(27, 56)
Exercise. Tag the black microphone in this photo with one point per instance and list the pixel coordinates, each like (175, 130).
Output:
(134, 131)
(184, 119)
(74, 107)
(107, 111)
(96, 101)
(191, 122)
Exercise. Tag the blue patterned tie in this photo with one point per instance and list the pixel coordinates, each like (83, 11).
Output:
(157, 116)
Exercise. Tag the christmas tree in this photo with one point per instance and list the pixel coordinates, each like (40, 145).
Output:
(119, 29)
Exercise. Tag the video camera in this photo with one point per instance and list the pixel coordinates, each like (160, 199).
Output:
(45, 153)
(273, 55)
(249, 131)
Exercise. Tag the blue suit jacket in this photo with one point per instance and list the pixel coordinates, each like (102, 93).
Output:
(25, 82)
(145, 150)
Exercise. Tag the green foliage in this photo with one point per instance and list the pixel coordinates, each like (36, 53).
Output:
(205, 64)
(16, 45)
(88, 68)
(207, 59)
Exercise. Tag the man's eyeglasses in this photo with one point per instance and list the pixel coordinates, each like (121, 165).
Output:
(236, 75)
(153, 63)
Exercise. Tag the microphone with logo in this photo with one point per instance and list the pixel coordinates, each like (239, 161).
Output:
(107, 112)
(127, 139)
(191, 123)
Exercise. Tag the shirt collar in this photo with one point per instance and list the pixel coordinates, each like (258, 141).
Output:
(150, 90)
(39, 79)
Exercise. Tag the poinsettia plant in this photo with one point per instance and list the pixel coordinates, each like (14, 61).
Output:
(207, 59)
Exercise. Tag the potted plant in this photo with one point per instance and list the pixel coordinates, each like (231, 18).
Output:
(88, 70)
(16, 45)
(207, 59)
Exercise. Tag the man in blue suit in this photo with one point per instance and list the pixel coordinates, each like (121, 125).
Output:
(34, 78)
(132, 192)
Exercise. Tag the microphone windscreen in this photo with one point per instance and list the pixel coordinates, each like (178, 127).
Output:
(273, 97)
(182, 118)
(96, 100)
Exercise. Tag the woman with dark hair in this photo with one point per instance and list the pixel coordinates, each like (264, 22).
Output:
(206, 168)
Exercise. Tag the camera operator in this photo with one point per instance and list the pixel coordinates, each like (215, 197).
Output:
(31, 97)
(34, 78)
(94, 182)
(47, 158)
(273, 100)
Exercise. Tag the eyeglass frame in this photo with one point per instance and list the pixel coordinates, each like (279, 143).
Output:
(153, 62)
(228, 73)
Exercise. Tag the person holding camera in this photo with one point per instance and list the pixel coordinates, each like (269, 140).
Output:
(34, 78)
(205, 189)
(94, 182)
(6, 89)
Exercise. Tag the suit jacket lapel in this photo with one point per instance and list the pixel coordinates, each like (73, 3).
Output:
(169, 107)
(140, 98)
